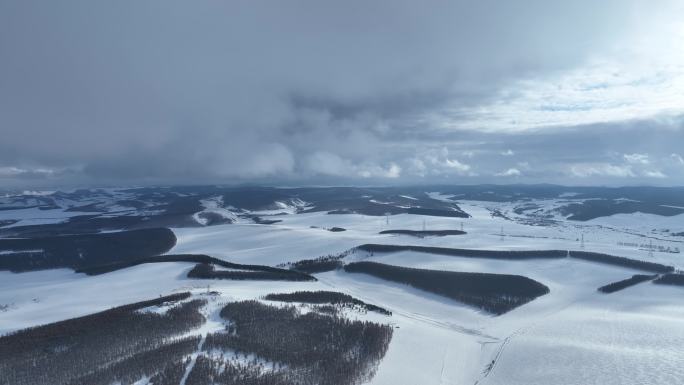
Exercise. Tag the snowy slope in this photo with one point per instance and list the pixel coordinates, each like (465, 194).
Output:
(573, 335)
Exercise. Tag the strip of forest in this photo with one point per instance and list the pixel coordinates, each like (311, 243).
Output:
(424, 233)
(625, 283)
(203, 271)
(493, 293)
(523, 255)
(324, 297)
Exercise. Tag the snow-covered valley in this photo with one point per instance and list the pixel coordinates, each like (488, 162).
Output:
(572, 335)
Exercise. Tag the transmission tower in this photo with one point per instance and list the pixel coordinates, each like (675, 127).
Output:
(502, 233)
(582, 244)
(650, 248)
(423, 224)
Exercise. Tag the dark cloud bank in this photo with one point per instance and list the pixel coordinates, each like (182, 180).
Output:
(309, 92)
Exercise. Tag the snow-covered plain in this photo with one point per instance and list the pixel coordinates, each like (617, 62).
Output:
(574, 335)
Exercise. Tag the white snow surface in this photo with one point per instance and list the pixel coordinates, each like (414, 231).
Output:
(214, 205)
(573, 335)
(36, 216)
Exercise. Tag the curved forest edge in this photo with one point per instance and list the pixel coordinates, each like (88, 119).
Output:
(522, 255)
(493, 293)
(205, 268)
(325, 297)
(83, 251)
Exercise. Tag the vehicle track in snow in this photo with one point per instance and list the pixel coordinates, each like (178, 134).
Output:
(212, 323)
(506, 341)
(193, 360)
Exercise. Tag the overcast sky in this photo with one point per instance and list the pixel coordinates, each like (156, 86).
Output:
(341, 92)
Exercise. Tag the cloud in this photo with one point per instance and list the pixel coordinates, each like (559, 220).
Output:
(677, 158)
(509, 172)
(28, 173)
(654, 174)
(640, 77)
(11, 171)
(456, 165)
(636, 158)
(601, 169)
(227, 92)
(468, 154)
(327, 163)
(438, 162)
(392, 171)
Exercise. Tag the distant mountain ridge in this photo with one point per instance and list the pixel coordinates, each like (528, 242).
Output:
(94, 210)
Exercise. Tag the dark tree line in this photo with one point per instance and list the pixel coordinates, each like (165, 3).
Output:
(361, 205)
(96, 345)
(670, 279)
(320, 264)
(622, 261)
(424, 233)
(309, 349)
(325, 297)
(83, 250)
(523, 254)
(596, 208)
(208, 271)
(194, 258)
(466, 253)
(454, 212)
(625, 283)
(494, 293)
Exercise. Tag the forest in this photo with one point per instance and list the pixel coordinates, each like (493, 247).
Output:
(625, 283)
(493, 293)
(319, 265)
(119, 344)
(670, 279)
(596, 208)
(466, 253)
(306, 349)
(198, 259)
(523, 254)
(208, 271)
(325, 297)
(424, 233)
(261, 345)
(82, 250)
(622, 261)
